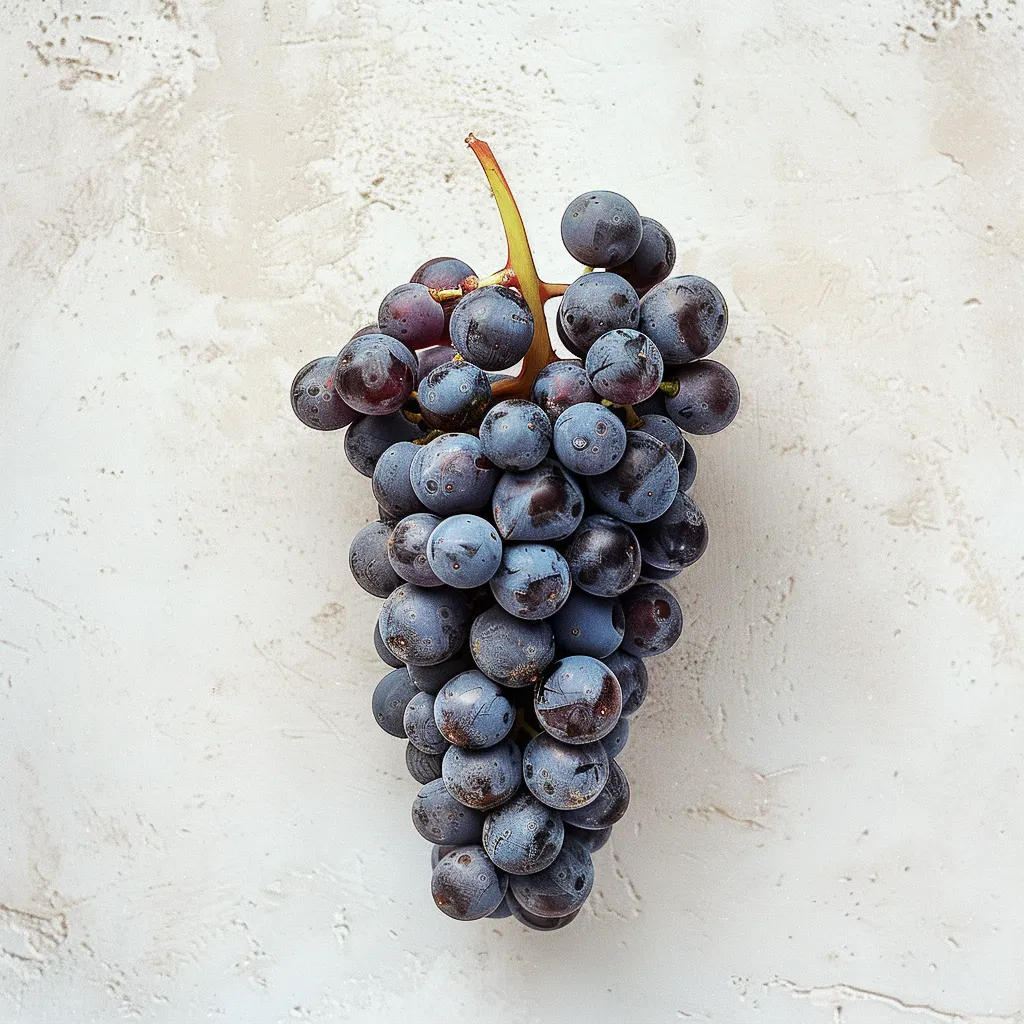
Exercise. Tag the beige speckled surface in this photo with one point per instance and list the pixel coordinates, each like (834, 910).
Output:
(200, 820)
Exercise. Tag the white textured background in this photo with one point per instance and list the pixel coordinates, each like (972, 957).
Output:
(200, 820)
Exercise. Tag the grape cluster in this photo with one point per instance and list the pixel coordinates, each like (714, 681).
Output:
(527, 528)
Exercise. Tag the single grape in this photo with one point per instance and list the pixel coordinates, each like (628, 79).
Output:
(390, 697)
(453, 396)
(564, 776)
(428, 359)
(561, 384)
(472, 712)
(314, 399)
(667, 432)
(643, 483)
(375, 374)
(464, 551)
(708, 399)
(516, 434)
(407, 549)
(654, 620)
(444, 273)
(511, 651)
(412, 315)
(677, 538)
(368, 560)
(601, 229)
(523, 836)
(534, 921)
(589, 439)
(588, 625)
(624, 366)
(594, 304)
(422, 767)
(424, 626)
(485, 778)
(441, 819)
(687, 467)
(532, 581)
(591, 839)
(653, 260)
(608, 808)
(686, 317)
(560, 888)
(543, 503)
(492, 327)
(466, 885)
(419, 724)
(631, 673)
(616, 740)
(391, 486)
(382, 650)
(603, 556)
(580, 700)
(431, 678)
(370, 437)
(452, 474)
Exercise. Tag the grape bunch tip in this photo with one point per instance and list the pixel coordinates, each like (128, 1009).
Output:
(528, 525)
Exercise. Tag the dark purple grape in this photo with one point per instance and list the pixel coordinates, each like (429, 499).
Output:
(676, 539)
(616, 740)
(532, 581)
(453, 396)
(687, 467)
(653, 260)
(422, 767)
(561, 384)
(588, 625)
(483, 779)
(438, 852)
(624, 366)
(580, 700)
(418, 721)
(314, 399)
(594, 304)
(444, 273)
(608, 808)
(492, 327)
(511, 651)
(653, 406)
(642, 485)
(544, 503)
(686, 317)
(382, 650)
(424, 626)
(370, 437)
(431, 678)
(566, 340)
(464, 551)
(373, 328)
(412, 315)
(428, 359)
(523, 836)
(466, 885)
(534, 921)
(667, 432)
(631, 673)
(654, 620)
(390, 697)
(407, 549)
(452, 474)
(516, 434)
(601, 229)
(472, 712)
(368, 560)
(591, 839)
(589, 439)
(564, 776)
(503, 910)
(560, 888)
(604, 556)
(708, 399)
(375, 374)
(391, 486)
(652, 574)
(441, 819)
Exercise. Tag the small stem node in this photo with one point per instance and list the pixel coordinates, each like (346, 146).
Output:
(669, 387)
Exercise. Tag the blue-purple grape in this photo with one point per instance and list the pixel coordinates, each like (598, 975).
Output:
(391, 485)
(511, 651)
(631, 673)
(451, 474)
(431, 678)
(314, 399)
(601, 229)
(420, 728)
(560, 888)
(579, 701)
(561, 384)
(563, 776)
(616, 740)
(609, 807)
(466, 885)
(390, 697)
(589, 439)
(591, 839)
(492, 327)
(368, 560)
(382, 650)
(485, 778)
(407, 549)
(643, 483)
(464, 551)
(370, 437)
(675, 539)
(471, 711)
(653, 260)
(532, 581)
(424, 626)
(441, 819)
(422, 767)
(453, 396)
(603, 556)
(412, 315)
(668, 433)
(375, 374)
(543, 503)
(516, 434)
(523, 836)
(624, 366)
(686, 317)
(654, 620)
(588, 625)
(594, 304)
(708, 399)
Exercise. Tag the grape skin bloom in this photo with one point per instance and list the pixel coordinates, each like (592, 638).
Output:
(492, 327)
(532, 581)
(464, 551)
(589, 439)
(516, 434)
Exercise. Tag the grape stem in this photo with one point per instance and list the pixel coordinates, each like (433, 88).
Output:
(669, 387)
